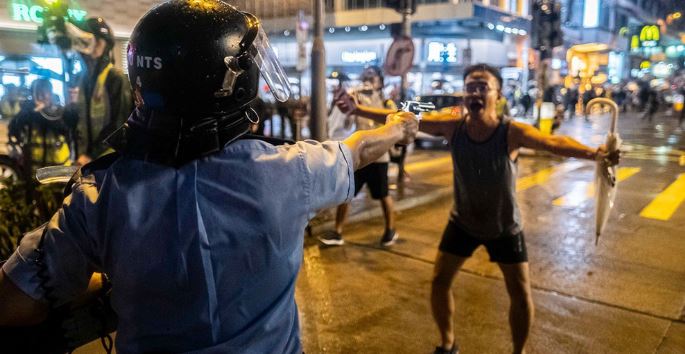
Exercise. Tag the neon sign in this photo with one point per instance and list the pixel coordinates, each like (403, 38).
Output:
(27, 11)
(358, 56)
(649, 36)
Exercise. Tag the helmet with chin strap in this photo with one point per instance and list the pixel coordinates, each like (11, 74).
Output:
(194, 67)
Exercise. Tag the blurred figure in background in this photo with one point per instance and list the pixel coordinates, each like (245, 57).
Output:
(651, 104)
(375, 175)
(10, 104)
(104, 101)
(42, 129)
(570, 101)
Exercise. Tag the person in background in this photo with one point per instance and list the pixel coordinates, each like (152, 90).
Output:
(571, 100)
(374, 175)
(104, 100)
(42, 128)
(10, 104)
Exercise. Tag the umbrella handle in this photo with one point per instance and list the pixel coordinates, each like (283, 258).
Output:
(612, 106)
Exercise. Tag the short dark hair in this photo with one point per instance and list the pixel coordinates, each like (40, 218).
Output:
(484, 67)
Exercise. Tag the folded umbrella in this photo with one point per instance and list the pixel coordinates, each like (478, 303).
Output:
(605, 173)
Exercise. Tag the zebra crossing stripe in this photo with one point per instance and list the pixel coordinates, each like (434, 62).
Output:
(583, 191)
(666, 203)
(543, 176)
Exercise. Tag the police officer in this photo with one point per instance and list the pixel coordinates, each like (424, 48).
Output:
(104, 100)
(198, 227)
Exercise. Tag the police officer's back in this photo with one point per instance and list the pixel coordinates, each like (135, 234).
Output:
(198, 227)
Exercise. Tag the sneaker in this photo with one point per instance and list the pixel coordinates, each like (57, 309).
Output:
(332, 238)
(441, 350)
(389, 237)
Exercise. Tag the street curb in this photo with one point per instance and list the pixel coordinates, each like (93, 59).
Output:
(375, 212)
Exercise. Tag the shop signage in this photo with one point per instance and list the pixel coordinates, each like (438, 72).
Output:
(358, 56)
(649, 36)
(439, 52)
(28, 11)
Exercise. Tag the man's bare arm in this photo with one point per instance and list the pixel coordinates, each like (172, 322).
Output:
(524, 135)
(443, 125)
(17, 308)
(368, 146)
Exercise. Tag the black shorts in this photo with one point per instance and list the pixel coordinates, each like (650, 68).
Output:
(508, 249)
(376, 176)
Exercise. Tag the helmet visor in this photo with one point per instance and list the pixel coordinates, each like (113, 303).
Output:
(269, 66)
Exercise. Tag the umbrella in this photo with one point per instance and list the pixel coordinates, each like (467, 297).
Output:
(605, 173)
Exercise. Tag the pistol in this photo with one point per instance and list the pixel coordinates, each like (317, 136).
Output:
(416, 107)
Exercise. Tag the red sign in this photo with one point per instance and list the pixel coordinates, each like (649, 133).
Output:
(400, 57)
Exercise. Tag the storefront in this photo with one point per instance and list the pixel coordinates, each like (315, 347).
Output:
(436, 58)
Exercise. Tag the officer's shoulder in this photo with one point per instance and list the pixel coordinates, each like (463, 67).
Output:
(267, 139)
(87, 172)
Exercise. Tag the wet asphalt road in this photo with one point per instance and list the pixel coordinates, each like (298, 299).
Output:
(624, 295)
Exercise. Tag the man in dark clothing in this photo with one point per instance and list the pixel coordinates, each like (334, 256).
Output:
(486, 212)
(652, 104)
(571, 99)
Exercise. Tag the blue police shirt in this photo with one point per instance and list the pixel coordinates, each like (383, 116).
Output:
(203, 258)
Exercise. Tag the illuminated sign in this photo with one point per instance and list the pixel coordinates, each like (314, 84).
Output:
(649, 36)
(635, 42)
(442, 52)
(591, 14)
(645, 65)
(27, 11)
(358, 56)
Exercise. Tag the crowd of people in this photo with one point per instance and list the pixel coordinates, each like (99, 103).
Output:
(646, 96)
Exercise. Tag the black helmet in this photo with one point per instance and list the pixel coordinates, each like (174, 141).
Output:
(194, 67)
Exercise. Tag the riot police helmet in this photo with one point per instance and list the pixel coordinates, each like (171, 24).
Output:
(194, 66)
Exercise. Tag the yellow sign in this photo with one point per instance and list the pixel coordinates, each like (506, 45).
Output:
(649, 36)
(635, 42)
(645, 65)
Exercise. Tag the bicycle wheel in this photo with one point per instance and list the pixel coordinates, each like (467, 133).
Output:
(8, 169)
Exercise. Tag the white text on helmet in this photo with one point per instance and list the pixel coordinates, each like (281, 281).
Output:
(148, 62)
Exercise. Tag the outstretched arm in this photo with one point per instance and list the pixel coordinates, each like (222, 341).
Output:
(524, 135)
(369, 145)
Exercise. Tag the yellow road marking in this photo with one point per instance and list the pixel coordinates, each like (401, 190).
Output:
(666, 203)
(543, 176)
(586, 190)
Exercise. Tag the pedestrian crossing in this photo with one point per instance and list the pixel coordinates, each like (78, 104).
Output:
(546, 174)
(666, 203)
(584, 191)
(662, 207)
